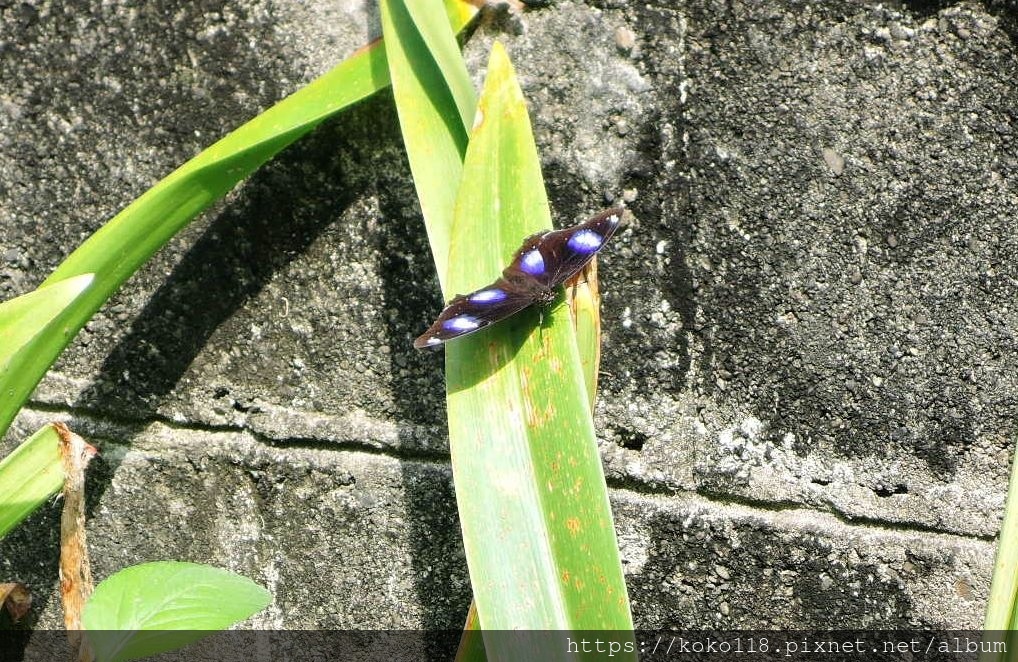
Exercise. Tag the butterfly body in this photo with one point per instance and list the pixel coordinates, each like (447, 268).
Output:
(544, 261)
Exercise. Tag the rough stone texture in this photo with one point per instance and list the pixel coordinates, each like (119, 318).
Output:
(342, 539)
(809, 392)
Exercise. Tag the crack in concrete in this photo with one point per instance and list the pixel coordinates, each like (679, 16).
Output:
(109, 427)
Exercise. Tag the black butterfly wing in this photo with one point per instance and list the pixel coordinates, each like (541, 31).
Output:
(472, 312)
(548, 259)
(543, 262)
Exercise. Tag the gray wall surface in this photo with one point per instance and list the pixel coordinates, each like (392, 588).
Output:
(809, 396)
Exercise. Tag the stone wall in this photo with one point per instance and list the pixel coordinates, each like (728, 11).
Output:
(809, 391)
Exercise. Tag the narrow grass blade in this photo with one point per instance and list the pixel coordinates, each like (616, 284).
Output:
(123, 244)
(1000, 607)
(23, 317)
(471, 646)
(29, 477)
(22, 320)
(533, 503)
(431, 86)
(584, 301)
(432, 110)
(425, 113)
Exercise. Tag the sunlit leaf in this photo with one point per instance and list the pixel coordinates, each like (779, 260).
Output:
(29, 477)
(533, 504)
(157, 607)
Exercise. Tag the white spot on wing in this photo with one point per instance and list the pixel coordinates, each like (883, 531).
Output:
(585, 241)
(532, 262)
(462, 323)
(488, 296)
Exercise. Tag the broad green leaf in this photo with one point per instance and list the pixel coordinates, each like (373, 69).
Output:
(29, 477)
(533, 504)
(432, 115)
(116, 250)
(156, 607)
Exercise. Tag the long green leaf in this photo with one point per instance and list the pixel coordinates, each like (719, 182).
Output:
(22, 321)
(487, 238)
(533, 503)
(439, 38)
(123, 244)
(156, 607)
(431, 118)
(1000, 607)
(29, 477)
(23, 317)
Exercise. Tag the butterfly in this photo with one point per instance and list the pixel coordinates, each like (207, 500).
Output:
(544, 261)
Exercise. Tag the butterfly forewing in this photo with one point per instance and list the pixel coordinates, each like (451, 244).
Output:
(472, 312)
(543, 262)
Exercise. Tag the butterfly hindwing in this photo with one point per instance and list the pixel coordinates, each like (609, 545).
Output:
(542, 263)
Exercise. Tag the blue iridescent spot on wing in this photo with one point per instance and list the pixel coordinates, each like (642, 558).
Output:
(532, 263)
(461, 323)
(488, 296)
(585, 241)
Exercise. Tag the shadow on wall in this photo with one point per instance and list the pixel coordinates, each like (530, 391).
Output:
(280, 212)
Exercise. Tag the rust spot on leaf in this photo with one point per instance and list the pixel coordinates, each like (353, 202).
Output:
(565, 576)
(526, 373)
(573, 525)
(530, 411)
(533, 417)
